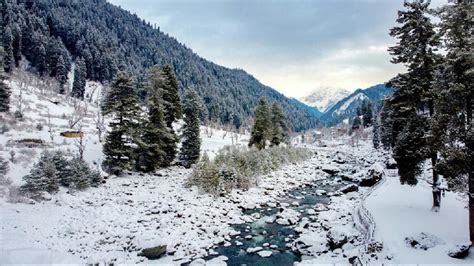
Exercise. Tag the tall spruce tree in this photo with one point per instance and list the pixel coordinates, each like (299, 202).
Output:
(191, 141)
(121, 104)
(376, 132)
(261, 129)
(171, 98)
(79, 84)
(4, 89)
(277, 126)
(454, 85)
(8, 60)
(16, 44)
(61, 74)
(417, 43)
(367, 113)
(155, 135)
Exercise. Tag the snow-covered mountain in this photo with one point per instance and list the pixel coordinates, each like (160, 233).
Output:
(347, 107)
(325, 98)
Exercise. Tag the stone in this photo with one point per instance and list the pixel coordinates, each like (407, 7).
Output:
(153, 253)
(264, 253)
(374, 175)
(349, 188)
(459, 251)
(254, 250)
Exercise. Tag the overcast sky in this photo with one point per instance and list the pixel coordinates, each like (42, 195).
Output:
(294, 46)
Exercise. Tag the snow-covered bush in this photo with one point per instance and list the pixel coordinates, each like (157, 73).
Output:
(53, 170)
(238, 167)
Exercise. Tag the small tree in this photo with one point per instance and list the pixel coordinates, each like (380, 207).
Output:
(79, 84)
(191, 141)
(261, 129)
(278, 125)
(4, 89)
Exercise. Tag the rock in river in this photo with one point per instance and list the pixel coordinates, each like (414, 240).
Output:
(153, 253)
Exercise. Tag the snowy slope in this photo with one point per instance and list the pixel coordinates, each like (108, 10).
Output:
(325, 98)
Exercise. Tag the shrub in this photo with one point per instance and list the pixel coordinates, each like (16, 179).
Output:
(239, 167)
(39, 127)
(53, 170)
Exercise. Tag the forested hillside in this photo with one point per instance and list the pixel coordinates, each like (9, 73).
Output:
(52, 34)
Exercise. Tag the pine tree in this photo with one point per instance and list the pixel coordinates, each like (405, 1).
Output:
(376, 133)
(171, 98)
(416, 50)
(356, 124)
(454, 85)
(191, 141)
(16, 44)
(386, 124)
(278, 125)
(79, 84)
(367, 114)
(154, 133)
(43, 177)
(8, 59)
(61, 74)
(3, 168)
(261, 129)
(4, 89)
(121, 104)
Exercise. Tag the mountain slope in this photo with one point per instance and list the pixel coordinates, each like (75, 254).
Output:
(110, 38)
(325, 98)
(347, 107)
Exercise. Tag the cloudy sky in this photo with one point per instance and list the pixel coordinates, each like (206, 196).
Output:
(294, 46)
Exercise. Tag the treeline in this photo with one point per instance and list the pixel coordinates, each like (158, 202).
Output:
(101, 39)
(429, 115)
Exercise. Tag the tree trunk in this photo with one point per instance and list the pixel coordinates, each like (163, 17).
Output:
(470, 146)
(434, 159)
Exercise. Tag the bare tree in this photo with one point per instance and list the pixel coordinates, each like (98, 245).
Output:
(99, 124)
(50, 127)
(80, 142)
(78, 114)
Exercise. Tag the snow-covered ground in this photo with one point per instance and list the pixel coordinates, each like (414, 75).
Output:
(113, 222)
(402, 211)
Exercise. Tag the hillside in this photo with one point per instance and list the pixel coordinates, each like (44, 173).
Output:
(109, 39)
(347, 107)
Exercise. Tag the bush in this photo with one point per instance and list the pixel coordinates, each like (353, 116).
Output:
(239, 167)
(53, 170)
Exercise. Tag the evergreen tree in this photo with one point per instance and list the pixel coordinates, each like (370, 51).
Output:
(4, 89)
(154, 133)
(43, 177)
(416, 50)
(191, 141)
(122, 104)
(409, 159)
(8, 57)
(3, 168)
(367, 114)
(356, 124)
(278, 125)
(455, 102)
(61, 74)
(79, 84)
(376, 133)
(16, 44)
(261, 129)
(171, 98)
(386, 123)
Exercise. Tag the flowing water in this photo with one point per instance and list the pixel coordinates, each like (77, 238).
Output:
(274, 236)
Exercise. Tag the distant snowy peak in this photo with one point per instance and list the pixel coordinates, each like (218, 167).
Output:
(325, 98)
(347, 107)
(354, 99)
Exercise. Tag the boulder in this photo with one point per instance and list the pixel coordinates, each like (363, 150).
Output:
(374, 175)
(336, 239)
(153, 253)
(349, 188)
(460, 251)
(330, 169)
(423, 241)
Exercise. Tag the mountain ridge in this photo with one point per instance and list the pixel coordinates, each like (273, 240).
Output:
(110, 38)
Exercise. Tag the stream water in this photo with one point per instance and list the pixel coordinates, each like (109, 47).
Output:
(272, 236)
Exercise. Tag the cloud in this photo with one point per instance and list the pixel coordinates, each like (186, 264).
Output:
(291, 45)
